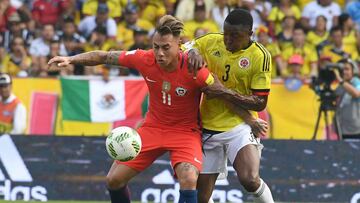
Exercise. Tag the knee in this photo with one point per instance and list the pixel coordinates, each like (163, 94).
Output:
(188, 180)
(114, 183)
(251, 182)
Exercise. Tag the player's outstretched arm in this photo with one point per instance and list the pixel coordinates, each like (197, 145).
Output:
(91, 58)
(258, 126)
(247, 102)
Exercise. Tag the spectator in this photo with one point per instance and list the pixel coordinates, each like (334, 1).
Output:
(40, 49)
(219, 12)
(89, 8)
(17, 62)
(320, 33)
(334, 48)
(48, 11)
(17, 28)
(307, 52)
(327, 8)
(353, 9)
(125, 35)
(141, 41)
(12, 111)
(262, 34)
(73, 42)
(89, 23)
(55, 51)
(185, 9)
(349, 34)
(98, 41)
(199, 21)
(278, 13)
(285, 37)
(169, 6)
(150, 11)
(6, 10)
(295, 64)
(258, 17)
(348, 105)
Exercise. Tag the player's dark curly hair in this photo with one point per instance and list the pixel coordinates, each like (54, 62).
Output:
(169, 25)
(240, 17)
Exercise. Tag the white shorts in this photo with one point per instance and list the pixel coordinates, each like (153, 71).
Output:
(222, 146)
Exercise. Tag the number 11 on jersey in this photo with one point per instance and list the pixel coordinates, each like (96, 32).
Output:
(166, 98)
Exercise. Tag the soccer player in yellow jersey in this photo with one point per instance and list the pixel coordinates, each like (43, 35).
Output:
(244, 67)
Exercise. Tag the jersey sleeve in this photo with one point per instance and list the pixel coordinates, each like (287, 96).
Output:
(261, 76)
(132, 59)
(204, 77)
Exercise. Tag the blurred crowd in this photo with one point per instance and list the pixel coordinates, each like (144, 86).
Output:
(299, 34)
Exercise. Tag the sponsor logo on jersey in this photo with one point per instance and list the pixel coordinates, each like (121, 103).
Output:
(180, 91)
(244, 62)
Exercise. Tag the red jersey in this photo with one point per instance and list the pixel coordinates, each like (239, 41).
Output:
(173, 96)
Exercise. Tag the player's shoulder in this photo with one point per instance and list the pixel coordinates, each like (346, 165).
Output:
(143, 55)
(259, 50)
(211, 36)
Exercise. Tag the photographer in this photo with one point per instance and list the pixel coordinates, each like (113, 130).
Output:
(348, 105)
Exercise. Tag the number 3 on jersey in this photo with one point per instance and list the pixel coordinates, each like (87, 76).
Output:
(166, 98)
(226, 76)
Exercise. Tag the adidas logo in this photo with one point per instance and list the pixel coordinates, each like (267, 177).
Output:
(12, 161)
(166, 178)
(14, 170)
(170, 193)
(217, 53)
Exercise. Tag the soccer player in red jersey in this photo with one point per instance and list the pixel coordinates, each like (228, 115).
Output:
(171, 124)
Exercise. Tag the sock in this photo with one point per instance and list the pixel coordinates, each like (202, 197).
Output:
(121, 195)
(263, 194)
(188, 196)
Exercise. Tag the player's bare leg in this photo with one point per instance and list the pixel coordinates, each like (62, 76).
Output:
(246, 165)
(187, 175)
(205, 186)
(116, 180)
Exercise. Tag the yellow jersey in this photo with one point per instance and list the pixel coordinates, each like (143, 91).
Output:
(244, 71)
(313, 39)
(308, 52)
(90, 8)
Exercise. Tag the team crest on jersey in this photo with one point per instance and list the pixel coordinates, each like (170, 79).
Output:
(180, 91)
(166, 86)
(244, 62)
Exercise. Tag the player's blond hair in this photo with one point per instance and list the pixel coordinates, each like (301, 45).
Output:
(169, 25)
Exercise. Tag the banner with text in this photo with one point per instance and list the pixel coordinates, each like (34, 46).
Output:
(74, 168)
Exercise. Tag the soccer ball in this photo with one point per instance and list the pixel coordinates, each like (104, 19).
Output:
(123, 144)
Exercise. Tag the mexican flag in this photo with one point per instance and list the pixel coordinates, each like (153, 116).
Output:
(92, 99)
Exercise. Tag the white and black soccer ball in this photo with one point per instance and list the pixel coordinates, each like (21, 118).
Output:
(123, 144)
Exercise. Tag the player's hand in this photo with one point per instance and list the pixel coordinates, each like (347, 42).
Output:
(59, 62)
(195, 61)
(258, 126)
(214, 90)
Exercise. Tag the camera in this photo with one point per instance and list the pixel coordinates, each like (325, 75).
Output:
(326, 73)
(322, 84)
